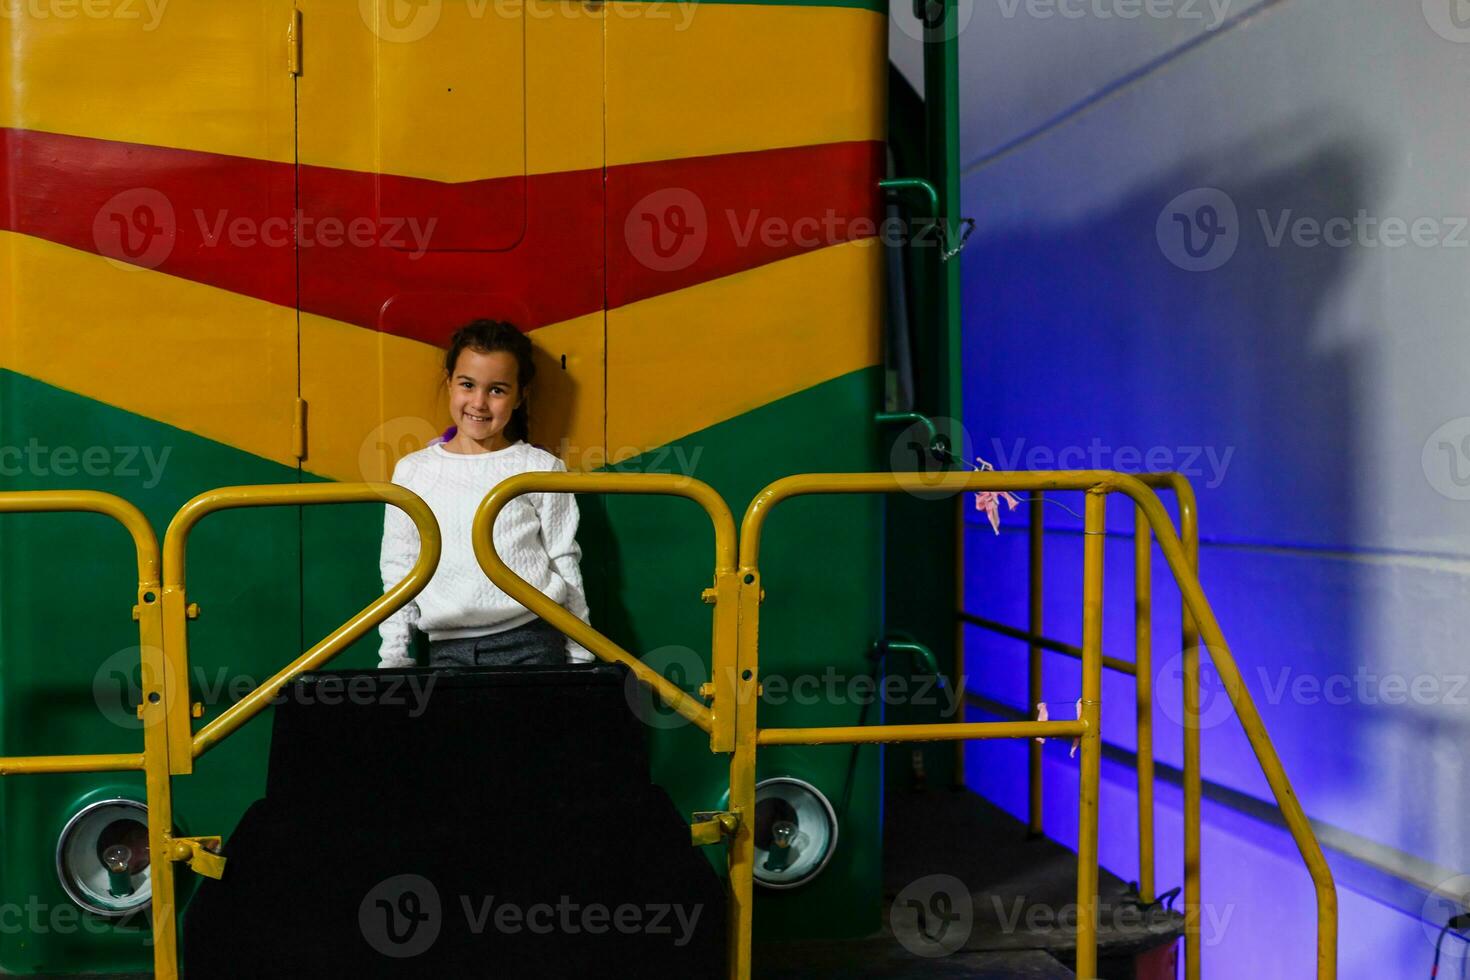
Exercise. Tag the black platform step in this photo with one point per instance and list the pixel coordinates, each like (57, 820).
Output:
(467, 823)
(1023, 890)
(995, 903)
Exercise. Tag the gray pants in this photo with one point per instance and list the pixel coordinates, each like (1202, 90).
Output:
(537, 642)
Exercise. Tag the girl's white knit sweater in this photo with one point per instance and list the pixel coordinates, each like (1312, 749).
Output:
(536, 535)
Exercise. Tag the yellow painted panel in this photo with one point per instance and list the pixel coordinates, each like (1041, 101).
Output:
(432, 90)
(207, 76)
(203, 359)
(696, 79)
(686, 360)
(442, 93)
(564, 86)
(373, 398)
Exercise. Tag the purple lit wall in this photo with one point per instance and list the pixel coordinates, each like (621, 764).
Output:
(1235, 244)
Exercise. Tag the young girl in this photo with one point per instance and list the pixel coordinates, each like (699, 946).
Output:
(471, 622)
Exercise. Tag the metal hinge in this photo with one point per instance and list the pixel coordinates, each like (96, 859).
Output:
(298, 430)
(713, 826)
(201, 853)
(293, 44)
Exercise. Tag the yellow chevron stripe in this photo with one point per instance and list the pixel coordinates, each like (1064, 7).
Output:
(200, 76)
(196, 357)
(224, 366)
(693, 79)
(373, 398)
(686, 360)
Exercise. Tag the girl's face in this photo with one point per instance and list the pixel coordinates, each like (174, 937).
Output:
(483, 392)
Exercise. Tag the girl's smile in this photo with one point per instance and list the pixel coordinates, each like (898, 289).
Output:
(483, 393)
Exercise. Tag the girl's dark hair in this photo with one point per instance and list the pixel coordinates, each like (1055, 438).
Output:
(488, 337)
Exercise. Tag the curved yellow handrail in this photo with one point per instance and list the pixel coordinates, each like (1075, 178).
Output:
(145, 548)
(145, 542)
(661, 484)
(1196, 604)
(229, 498)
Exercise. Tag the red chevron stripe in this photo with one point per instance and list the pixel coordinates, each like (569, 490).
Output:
(402, 254)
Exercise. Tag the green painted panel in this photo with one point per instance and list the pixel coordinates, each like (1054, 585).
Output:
(821, 568)
(68, 645)
(66, 687)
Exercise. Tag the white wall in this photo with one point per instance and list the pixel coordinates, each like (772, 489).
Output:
(1333, 381)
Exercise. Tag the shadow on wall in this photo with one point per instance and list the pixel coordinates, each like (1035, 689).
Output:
(1196, 323)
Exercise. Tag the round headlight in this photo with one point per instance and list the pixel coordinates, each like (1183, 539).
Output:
(795, 832)
(102, 858)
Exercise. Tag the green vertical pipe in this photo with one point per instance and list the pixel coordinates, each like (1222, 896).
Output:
(942, 142)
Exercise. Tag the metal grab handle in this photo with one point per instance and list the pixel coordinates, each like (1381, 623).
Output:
(1200, 615)
(145, 542)
(145, 547)
(719, 722)
(189, 745)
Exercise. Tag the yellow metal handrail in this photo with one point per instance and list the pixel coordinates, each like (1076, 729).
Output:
(181, 746)
(1141, 670)
(731, 719)
(187, 745)
(1199, 616)
(154, 760)
(717, 720)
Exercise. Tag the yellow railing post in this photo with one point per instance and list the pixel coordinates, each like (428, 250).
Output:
(175, 553)
(740, 849)
(721, 720)
(1193, 778)
(1036, 536)
(1090, 767)
(158, 686)
(1200, 620)
(1143, 699)
(1181, 559)
(736, 595)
